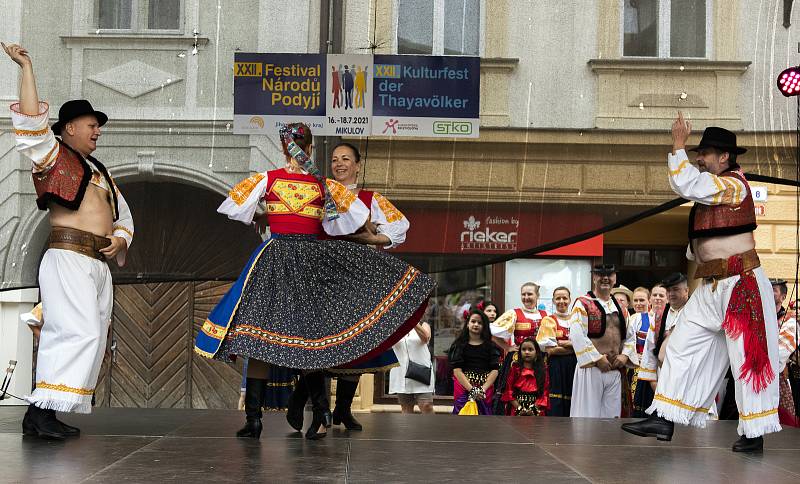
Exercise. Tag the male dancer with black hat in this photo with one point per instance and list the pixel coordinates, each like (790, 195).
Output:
(661, 327)
(91, 222)
(730, 317)
(604, 345)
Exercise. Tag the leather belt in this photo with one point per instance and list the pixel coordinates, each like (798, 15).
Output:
(734, 265)
(85, 243)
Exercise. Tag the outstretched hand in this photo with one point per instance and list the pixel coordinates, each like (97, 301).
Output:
(681, 129)
(18, 54)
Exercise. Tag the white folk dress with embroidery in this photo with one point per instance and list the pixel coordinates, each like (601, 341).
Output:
(503, 326)
(648, 367)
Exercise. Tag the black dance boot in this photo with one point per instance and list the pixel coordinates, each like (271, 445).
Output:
(745, 444)
(68, 430)
(319, 402)
(42, 423)
(253, 400)
(297, 403)
(653, 426)
(345, 392)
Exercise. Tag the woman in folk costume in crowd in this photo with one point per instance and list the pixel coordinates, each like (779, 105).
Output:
(306, 303)
(553, 337)
(641, 320)
(474, 359)
(388, 227)
(511, 328)
(528, 384)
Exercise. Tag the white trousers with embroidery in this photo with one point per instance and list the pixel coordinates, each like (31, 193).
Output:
(596, 394)
(697, 357)
(77, 298)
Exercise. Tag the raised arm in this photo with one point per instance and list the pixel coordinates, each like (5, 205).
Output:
(28, 96)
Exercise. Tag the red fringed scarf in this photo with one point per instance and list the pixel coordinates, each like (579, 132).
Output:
(745, 317)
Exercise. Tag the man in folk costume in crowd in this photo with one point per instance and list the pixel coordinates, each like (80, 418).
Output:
(605, 346)
(657, 336)
(91, 223)
(730, 318)
(789, 360)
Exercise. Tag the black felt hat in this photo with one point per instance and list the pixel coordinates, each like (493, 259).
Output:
(719, 138)
(777, 282)
(604, 269)
(74, 109)
(673, 279)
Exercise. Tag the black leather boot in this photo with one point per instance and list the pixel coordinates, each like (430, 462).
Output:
(319, 402)
(42, 423)
(745, 444)
(345, 392)
(253, 400)
(654, 426)
(67, 429)
(297, 403)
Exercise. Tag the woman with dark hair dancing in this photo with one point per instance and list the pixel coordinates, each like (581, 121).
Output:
(474, 358)
(302, 302)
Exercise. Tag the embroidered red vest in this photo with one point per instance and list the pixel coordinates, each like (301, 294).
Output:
(562, 332)
(715, 220)
(66, 181)
(294, 203)
(525, 328)
(597, 316)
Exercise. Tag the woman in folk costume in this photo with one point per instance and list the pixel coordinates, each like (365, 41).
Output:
(511, 328)
(474, 359)
(528, 384)
(641, 320)
(306, 303)
(387, 228)
(553, 337)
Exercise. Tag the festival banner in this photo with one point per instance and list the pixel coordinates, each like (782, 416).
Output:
(431, 96)
(357, 95)
(270, 90)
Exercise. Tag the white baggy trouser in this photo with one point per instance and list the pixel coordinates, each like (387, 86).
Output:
(697, 357)
(77, 298)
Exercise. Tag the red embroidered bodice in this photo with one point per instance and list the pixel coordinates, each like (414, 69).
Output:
(524, 327)
(294, 203)
(597, 316)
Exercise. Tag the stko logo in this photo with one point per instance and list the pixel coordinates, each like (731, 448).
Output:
(461, 128)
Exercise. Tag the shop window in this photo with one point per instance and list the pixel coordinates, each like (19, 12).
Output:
(645, 267)
(439, 27)
(666, 28)
(139, 15)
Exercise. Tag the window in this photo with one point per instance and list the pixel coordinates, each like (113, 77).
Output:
(139, 15)
(666, 28)
(439, 27)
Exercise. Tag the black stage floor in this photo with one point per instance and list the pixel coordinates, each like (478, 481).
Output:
(170, 445)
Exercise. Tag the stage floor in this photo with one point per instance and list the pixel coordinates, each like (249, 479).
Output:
(171, 445)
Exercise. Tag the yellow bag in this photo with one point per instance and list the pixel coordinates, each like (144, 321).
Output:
(469, 408)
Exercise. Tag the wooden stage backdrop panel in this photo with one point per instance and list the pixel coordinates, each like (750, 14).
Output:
(154, 366)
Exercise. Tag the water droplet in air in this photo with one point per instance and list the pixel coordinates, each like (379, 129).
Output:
(682, 68)
(194, 50)
(228, 126)
(641, 106)
(182, 55)
(169, 80)
(683, 95)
